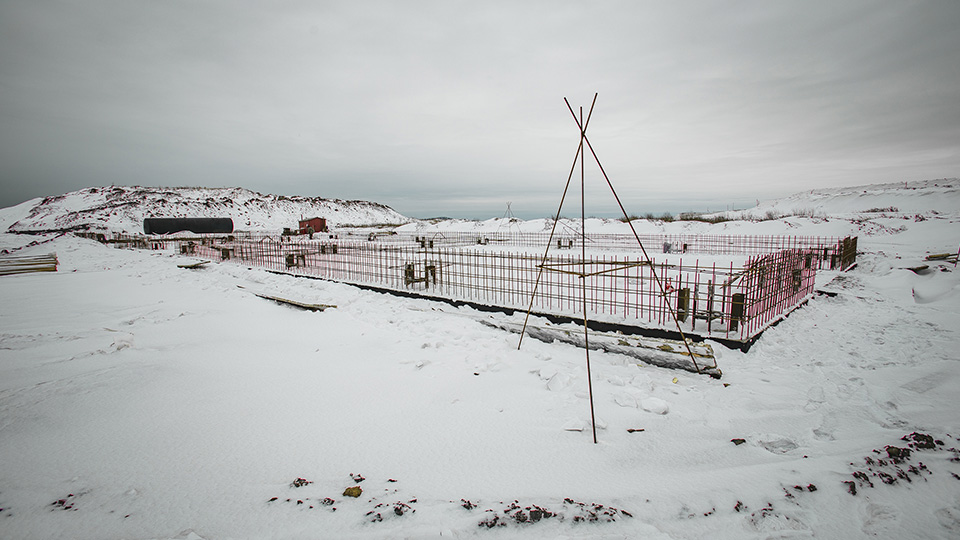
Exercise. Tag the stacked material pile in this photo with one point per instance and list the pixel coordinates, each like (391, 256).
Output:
(24, 265)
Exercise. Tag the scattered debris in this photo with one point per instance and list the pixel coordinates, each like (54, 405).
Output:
(300, 482)
(632, 430)
(66, 503)
(892, 464)
(492, 521)
(896, 454)
(399, 509)
(357, 478)
(354, 492)
(576, 512)
(949, 257)
(738, 442)
(921, 441)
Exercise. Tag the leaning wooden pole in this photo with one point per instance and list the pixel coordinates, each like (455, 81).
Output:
(543, 261)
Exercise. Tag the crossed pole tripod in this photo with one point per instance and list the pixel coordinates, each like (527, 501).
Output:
(583, 274)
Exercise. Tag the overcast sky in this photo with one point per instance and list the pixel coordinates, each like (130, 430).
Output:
(454, 108)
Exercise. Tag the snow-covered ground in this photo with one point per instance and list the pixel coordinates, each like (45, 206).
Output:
(141, 400)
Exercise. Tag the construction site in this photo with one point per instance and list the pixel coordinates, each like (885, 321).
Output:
(728, 288)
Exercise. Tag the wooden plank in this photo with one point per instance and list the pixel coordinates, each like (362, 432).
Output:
(295, 303)
(200, 264)
(28, 264)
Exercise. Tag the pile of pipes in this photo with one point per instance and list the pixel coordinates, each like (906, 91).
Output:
(24, 265)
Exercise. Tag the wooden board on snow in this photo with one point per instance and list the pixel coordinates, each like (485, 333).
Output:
(200, 264)
(295, 303)
(25, 265)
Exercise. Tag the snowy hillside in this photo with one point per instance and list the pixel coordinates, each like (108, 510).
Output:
(926, 197)
(124, 208)
(912, 216)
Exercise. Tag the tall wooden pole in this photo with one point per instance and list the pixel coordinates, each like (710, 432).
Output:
(583, 276)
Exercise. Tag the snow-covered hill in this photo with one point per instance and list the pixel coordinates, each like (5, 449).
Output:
(882, 211)
(941, 196)
(120, 208)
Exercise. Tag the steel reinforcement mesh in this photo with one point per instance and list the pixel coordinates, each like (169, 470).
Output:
(729, 301)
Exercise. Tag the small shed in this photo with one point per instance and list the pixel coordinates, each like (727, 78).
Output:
(317, 224)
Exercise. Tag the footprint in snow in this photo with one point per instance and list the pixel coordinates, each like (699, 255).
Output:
(949, 518)
(880, 519)
(655, 405)
(624, 399)
(778, 445)
(558, 381)
(615, 380)
(828, 425)
(578, 424)
(546, 373)
(768, 520)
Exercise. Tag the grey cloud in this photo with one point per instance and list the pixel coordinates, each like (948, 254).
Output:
(459, 105)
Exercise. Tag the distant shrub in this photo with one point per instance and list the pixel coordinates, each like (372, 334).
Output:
(696, 216)
(886, 209)
(649, 216)
(804, 212)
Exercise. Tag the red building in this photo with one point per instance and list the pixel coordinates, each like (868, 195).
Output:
(317, 224)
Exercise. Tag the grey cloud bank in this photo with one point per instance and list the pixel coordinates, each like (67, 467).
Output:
(452, 108)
